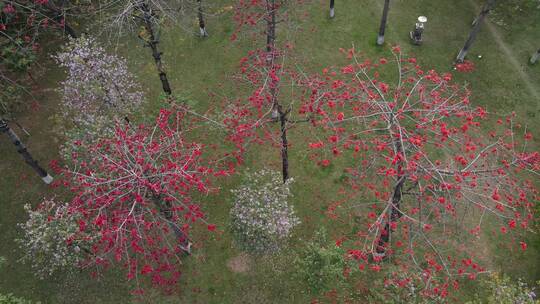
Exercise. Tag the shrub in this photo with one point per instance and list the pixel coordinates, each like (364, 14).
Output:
(261, 217)
(52, 238)
(502, 290)
(321, 263)
(11, 98)
(11, 299)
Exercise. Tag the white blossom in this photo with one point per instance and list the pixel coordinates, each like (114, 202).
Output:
(261, 217)
(51, 237)
(98, 90)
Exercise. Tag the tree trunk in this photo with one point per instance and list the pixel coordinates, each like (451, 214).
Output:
(69, 30)
(535, 56)
(202, 26)
(332, 9)
(284, 144)
(488, 6)
(31, 77)
(395, 213)
(108, 99)
(277, 111)
(165, 210)
(4, 128)
(270, 26)
(382, 28)
(152, 42)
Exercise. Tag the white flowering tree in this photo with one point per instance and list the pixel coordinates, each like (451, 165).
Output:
(98, 83)
(52, 238)
(98, 90)
(261, 217)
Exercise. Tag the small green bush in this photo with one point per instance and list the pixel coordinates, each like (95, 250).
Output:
(11, 299)
(321, 264)
(503, 290)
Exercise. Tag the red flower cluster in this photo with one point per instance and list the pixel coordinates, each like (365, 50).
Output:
(466, 66)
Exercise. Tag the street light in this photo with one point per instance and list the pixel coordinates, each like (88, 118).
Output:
(416, 34)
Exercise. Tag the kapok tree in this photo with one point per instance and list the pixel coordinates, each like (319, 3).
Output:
(429, 175)
(252, 119)
(249, 14)
(265, 73)
(140, 192)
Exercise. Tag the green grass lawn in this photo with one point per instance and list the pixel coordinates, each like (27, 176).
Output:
(198, 68)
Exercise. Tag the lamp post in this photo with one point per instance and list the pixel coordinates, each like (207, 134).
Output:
(416, 34)
(21, 148)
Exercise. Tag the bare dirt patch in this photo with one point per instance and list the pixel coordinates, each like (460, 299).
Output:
(240, 263)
